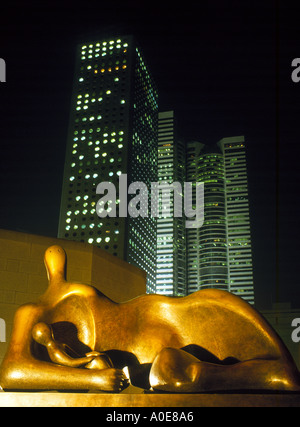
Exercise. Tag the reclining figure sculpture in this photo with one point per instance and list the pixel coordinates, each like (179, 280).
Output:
(75, 338)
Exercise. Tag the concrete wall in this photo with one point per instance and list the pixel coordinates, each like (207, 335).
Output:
(23, 275)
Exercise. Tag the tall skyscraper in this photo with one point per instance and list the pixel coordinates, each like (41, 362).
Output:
(207, 253)
(171, 247)
(112, 133)
(239, 248)
(219, 253)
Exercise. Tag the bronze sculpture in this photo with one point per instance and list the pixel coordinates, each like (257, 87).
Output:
(75, 338)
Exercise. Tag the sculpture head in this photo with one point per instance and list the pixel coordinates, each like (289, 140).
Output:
(55, 262)
(42, 333)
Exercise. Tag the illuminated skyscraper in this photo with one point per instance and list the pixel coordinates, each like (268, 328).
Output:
(239, 248)
(112, 131)
(171, 247)
(207, 253)
(219, 253)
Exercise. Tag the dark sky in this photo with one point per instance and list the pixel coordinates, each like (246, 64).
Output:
(224, 66)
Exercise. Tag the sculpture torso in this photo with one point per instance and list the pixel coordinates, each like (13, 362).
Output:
(147, 324)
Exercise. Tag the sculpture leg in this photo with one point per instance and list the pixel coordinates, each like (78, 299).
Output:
(175, 370)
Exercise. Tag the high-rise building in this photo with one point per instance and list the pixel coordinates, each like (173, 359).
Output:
(207, 252)
(112, 133)
(239, 248)
(171, 246)
(192, 234)
(219, 253)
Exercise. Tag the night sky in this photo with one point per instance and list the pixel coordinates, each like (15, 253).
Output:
(223, 66)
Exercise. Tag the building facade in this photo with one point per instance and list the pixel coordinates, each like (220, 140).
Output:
(171, 246)
(112, 133)
(239, 248)
(219, 254)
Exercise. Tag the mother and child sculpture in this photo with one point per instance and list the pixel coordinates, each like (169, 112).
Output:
(75, 338)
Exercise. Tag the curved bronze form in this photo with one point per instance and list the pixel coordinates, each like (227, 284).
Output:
(75, 338)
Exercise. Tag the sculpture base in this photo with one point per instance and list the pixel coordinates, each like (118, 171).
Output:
(148, 400)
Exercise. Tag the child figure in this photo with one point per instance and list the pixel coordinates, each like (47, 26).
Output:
(58, 353)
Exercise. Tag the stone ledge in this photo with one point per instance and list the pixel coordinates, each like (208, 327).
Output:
(49, 399)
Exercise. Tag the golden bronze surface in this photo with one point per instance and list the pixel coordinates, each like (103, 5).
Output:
(75, 338)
